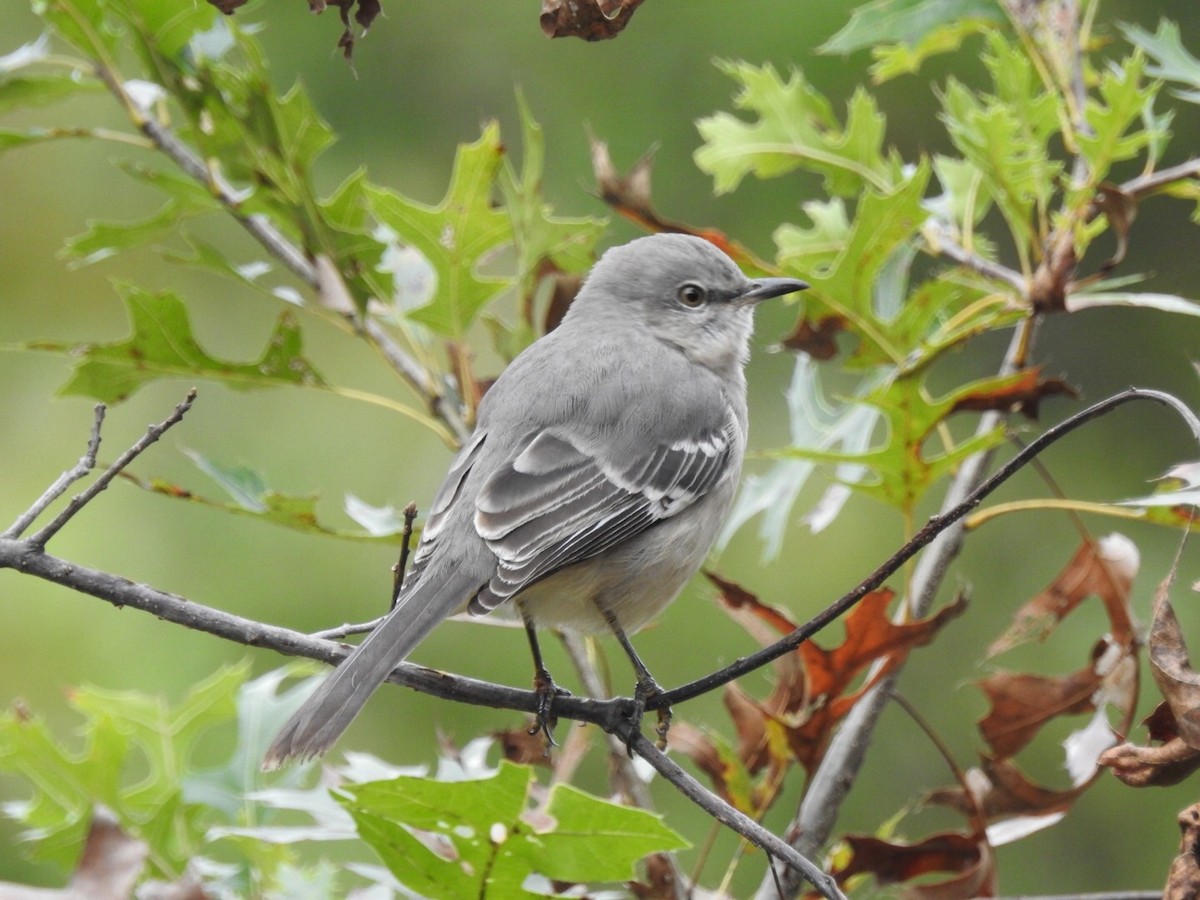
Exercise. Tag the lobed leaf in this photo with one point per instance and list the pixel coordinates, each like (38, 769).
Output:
(162, 345)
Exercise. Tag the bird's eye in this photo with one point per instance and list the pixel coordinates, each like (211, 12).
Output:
(692, 295)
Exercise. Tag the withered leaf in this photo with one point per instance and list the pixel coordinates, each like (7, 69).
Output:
(525, 746)
(1120, 208)
(820, 342)
(1000, 789)
(629, 196)
(1023, 395)
(591, 20)
(1158, 766)
(969, 856)
(1021, 703)
(1171, 666)
(1183, 879)
(110, 866)
(1104, 569)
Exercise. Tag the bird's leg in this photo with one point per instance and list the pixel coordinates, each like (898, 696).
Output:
(645, 688)
(543, 686)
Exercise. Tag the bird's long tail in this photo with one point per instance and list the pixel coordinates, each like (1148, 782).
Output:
(327, 713)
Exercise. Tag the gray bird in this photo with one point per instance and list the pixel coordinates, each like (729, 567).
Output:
(602, 467)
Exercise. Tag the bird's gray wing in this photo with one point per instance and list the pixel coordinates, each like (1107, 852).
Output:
(562, 500)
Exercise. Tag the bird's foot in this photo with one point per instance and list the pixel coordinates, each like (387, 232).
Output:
(643, 692)
(545, 720)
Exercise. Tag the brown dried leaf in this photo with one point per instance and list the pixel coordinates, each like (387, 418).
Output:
(1023, 395)
(1120, 209)
(969, 856)
(660, 879)
(591, 20)
(1171, 666)
(1160, 766)
(109, 867)
(629, 196)
(1022, 703)
(1104, 569)
(525, 746)
(1001, 789)
(820, 342)
(1183, 879)
(227, 6)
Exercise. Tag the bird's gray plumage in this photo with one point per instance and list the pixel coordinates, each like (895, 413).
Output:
(604, 460)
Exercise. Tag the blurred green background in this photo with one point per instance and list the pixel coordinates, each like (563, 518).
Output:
(423, 81)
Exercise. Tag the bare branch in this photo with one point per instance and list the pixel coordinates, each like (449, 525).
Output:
(86, 463)
(1144, 185)
(79, 501)
(939, 242)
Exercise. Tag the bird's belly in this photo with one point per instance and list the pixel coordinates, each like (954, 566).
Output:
(636, 580)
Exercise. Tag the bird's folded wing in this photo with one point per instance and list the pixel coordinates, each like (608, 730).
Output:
(563, 500)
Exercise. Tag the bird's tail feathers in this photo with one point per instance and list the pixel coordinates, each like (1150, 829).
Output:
(322, 718)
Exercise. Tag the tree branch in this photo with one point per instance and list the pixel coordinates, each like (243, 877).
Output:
(78, 502)
(86, 463)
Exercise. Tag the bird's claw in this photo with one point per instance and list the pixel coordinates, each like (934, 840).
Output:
(544, 719)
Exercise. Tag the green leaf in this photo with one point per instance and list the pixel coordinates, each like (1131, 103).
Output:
(81, 23)
(794, 128)
(162, 346)
(1122, 102)
(588, 839)
(251, 496)
(1173, 61)
(543, 241)
(894, 60)
(166, 27)
(456, 236)
(105, 239)
(844, 290)
(134, 748)
(907, 22)
(38, 90)
(806, 249)
(490, 844)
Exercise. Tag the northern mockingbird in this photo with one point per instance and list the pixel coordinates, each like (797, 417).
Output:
(602, 467)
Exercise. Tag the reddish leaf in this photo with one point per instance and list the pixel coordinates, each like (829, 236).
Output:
(1104, 569)
(592, 20)
(1183, 879)
(968, 856)
(812, 689)
(1022, 394)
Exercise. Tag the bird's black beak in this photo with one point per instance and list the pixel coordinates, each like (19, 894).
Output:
(765, 288)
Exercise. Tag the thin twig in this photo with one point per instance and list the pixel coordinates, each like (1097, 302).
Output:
(940, 243)
(1143, 185)
(79, 501)
(86, 463)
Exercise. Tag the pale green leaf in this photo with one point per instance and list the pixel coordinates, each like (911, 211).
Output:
(1172, 60)
(455, 236)
(1121, 104)
(793, 127)
(162, 345)
(22, 91)
(1137, 299)
(906, 22)
(894, 60)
